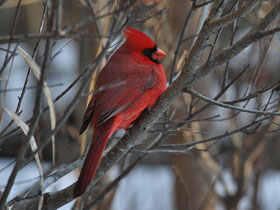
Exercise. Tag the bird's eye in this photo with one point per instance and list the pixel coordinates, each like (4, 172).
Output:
(149, 53)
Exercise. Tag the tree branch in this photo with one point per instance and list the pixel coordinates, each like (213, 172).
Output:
(227, 106)
(187, 78)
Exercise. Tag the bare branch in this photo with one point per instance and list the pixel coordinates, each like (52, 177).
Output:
(188, 77)
(227, 106)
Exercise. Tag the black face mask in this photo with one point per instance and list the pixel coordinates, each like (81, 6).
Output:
(149, 53)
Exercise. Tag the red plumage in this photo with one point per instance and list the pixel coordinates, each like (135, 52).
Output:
(135, 66)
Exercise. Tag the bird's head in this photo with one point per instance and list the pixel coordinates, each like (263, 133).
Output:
(142, 46)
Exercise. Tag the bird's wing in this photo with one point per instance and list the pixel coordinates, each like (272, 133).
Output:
(112, 101)
(88, 114)
(115, 100)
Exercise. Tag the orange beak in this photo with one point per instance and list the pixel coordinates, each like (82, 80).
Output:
(158, 54)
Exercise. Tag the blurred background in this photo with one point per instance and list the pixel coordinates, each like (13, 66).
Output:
(237, 169)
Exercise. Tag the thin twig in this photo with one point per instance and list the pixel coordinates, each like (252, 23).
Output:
(227, 106)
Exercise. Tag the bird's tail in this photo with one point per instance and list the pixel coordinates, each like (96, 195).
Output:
(100, 139)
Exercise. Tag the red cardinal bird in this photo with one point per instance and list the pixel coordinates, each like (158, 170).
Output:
(136, 67)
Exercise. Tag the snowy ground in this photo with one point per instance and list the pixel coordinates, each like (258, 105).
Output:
(145, 188)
